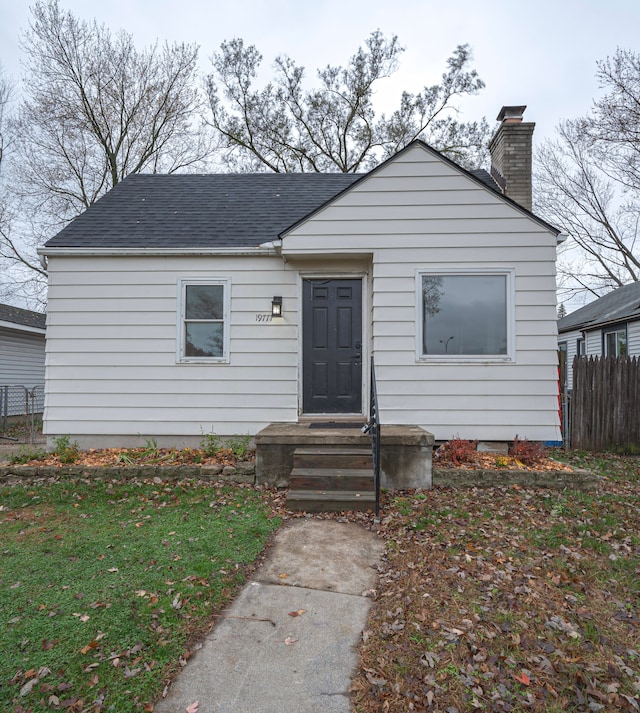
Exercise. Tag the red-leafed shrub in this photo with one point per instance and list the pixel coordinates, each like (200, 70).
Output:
(527, 452)
(456, 451)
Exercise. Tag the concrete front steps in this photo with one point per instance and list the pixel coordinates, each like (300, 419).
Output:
(331, 479)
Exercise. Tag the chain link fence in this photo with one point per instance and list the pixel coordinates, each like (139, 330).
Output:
(21, 410)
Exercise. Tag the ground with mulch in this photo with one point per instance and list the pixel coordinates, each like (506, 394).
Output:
(123, 457)
(508, 599)
(492, 461)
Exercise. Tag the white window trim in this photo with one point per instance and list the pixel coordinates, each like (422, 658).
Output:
(182, 288)
(620, 329)
(509, 357)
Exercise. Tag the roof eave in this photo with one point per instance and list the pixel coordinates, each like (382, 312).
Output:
(598, 324)
(269, 248)
(22, 327)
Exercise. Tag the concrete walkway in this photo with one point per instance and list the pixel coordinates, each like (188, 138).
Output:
(259, 658)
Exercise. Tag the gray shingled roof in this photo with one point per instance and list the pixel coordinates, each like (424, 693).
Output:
(23, 317)
(209, 211)
(183, 210)
(620, 305)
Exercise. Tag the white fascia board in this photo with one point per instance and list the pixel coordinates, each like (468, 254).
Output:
(264, 249)
(22, 327)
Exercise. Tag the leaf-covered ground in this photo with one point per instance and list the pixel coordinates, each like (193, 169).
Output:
(508, 599)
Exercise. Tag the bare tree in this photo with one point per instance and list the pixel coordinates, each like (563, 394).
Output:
(588, 184)
(5, 97)
(615, 124)
(95, 110)
(285, 127)
(16, 284)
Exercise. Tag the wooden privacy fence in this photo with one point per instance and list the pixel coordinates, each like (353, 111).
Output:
(605, 404)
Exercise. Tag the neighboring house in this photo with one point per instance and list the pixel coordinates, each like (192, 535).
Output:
(609, 326)
(162, 298)
(22, 348)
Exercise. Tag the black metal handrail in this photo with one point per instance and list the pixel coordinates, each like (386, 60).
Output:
(373, 429)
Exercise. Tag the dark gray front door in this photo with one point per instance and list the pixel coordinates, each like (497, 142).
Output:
(332, 346)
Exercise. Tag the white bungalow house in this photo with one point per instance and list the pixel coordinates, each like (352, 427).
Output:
(608, 326)
(22, 348)
(185, 304)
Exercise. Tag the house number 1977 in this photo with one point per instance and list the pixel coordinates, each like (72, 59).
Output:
(264, 318)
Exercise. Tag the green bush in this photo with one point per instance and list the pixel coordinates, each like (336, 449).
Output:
(210, 444)
(66, 451)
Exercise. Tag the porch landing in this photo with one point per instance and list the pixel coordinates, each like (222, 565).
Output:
(405, 451)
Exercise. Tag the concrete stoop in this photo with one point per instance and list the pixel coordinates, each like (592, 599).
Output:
(325, 479)
(330, 468)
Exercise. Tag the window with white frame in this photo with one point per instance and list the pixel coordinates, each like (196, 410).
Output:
(615, 342)
(204, 323)
(580, 347)
(465, 315)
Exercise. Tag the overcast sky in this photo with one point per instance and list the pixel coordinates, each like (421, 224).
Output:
(540, 54)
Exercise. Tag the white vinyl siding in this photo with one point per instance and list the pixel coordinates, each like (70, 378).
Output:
(111, 356)
(21, 358)
(633, 338)
(419, 211)
(571, 340)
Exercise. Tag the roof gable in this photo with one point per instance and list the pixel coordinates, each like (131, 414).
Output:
(479, 176)
(620, 305)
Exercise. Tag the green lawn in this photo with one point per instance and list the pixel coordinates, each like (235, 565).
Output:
(103, 585)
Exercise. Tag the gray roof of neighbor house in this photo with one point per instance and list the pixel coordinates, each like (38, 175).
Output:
(207, 211)
(620, 305)
(22, 317)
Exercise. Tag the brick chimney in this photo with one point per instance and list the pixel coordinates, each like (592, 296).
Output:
(510, 150)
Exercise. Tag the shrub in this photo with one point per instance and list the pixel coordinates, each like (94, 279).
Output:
(239, 446)
(210, 444)
(66, 451)
(527, 452)
(457, 451)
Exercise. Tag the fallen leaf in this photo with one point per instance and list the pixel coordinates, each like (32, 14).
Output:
(290, 641)
(193, 708)
(91, 645)
(523, 679)
(282, 575)
(26, 689)
(297, 613)
(112, 569)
